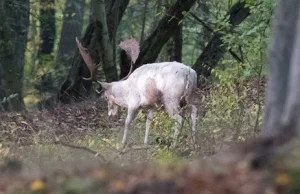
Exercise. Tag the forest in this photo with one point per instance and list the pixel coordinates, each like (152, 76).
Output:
(59, 60)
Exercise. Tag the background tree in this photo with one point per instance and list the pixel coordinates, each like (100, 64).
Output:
(281, 123)
(74, 86)
(165, 29)
(215, 48)
(106, 49)
(282, 106)
(71, 27)
(14, 18)
(48, 27)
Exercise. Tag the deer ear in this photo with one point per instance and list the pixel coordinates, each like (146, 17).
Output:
(104, 85)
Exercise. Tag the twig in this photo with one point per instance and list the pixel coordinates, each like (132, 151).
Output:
(82, 148)
(145, 147)
(235, 56)
(202, 22)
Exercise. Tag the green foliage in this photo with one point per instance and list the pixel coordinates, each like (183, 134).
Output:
(249, 42)
(233, 112)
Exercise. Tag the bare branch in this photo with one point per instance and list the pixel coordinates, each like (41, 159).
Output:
(82, 148)
(202, 22)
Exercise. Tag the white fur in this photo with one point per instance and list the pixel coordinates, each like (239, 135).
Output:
(151, 86)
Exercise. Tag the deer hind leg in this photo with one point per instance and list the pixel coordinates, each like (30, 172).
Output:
(132, 112)
(194, 111)
(172, 110)
(148, 122)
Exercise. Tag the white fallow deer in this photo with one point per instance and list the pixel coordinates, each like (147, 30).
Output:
(170, 85)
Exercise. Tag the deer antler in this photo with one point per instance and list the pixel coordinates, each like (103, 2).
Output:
(88, 61)
(132, 48)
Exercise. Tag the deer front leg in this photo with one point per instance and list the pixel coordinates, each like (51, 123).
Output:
(148, 122)
(130, 116)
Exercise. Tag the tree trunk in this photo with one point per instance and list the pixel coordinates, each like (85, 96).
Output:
(71, 28)
(178, 44)
(170, 50)
(3, 104)
(165, 29)
(158, 11)
(14, 19)
(114, 10)
(125, 63)
(144, 21)
(33, 38)
(206, 33)
(48, 28)
(106, 51)
(214, 50)
(281, 121)
(75, 87)
(283, 93)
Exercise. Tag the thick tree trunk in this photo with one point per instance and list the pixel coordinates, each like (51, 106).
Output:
(3, 104)
(48, 28)
(33, 38)
(14, 18)
(75, 87)
(106, 51)
(214, 50)
(144, 21)
(178, 44)
(281, 122)
(158, 11)
(283, 93)
(206, 33)
(71, 28)
(115, 10)
(165, 29)
(125, 63)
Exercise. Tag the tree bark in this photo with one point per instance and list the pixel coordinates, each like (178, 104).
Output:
(72, 26)
(206, 33)
(115, 10)
(125, 63)
(33, 39)
(214, 50)
(3, 105)
(75, 87)
(158, 11)
(283, 93)
(48, 28)
(106, 51)
(144, 21)
(165, 29)
(14, 18)
(178, 44)
(281, 121)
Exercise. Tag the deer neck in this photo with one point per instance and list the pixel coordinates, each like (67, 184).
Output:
(120, 91)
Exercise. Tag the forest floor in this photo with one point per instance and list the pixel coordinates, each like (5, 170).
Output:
(75, 149)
